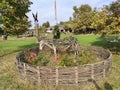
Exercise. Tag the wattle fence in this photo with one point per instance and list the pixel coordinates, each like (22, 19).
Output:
(65, 75)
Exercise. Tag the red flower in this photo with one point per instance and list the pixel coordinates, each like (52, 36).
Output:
(31, 56)
(62, 49)
(55, 58)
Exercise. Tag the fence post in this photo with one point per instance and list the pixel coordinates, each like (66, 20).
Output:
(57, 74)
(76, 76)
(110, 64)
(92, 72)
(104, 71)
(24, 68)
(38, 74)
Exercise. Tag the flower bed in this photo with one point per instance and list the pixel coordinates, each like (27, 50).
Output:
(65, 74)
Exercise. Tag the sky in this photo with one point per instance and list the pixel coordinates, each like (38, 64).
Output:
(45, 9)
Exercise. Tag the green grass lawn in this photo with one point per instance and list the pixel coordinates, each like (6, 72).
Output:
(10, 80)
(14, 45)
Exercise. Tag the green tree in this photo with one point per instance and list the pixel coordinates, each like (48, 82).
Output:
(101, 22)
(66, 27)
(81, 10)
(114, 10)
(42, 29)
(108, 21)
(76, 12)
(1, 31)
(46, 24)
(83, 17)
(13, 16)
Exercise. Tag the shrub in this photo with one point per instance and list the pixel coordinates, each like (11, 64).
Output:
(66, 60)
(56, 32)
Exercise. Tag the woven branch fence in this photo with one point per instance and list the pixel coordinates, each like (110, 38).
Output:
(65, 75)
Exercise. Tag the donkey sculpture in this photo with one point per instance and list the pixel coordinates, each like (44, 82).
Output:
(70, 43)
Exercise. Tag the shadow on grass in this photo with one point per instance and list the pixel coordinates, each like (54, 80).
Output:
(27, 46)
(107, 86)
(20, 48)
(105, 43)
(95, 83)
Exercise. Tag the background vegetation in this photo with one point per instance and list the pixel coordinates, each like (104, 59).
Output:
(103, 21)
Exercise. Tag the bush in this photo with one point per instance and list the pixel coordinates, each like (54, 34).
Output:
(56, 32)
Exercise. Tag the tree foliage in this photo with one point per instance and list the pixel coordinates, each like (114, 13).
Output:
(114, 9)
(1, 31)
(105, 20)
(13, 16)
(46, 24)
(83, 17)
(109, 19)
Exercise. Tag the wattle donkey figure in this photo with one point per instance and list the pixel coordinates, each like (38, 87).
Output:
(68, 43)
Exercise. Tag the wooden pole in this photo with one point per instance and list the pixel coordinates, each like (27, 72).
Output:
(36, 26)
(37, 31)
(55, 10)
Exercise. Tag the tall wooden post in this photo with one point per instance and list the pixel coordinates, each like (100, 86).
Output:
(36, 26)
(55, 10)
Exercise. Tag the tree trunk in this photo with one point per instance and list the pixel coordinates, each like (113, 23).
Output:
(4, 37)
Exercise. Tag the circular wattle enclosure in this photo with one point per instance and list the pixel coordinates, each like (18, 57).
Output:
(74, 74)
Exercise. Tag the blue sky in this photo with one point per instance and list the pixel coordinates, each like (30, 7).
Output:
(45, 9)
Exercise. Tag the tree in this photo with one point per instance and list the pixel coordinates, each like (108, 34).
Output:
(1, 31)
(83, 18)
(101, 22)
(114, 10)
(81, 10)
(109, 19)
(46, 24)
(66, 27)
(42, 29)
(76, 12)
(70, 19)
(61, 22)
(13, 16)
